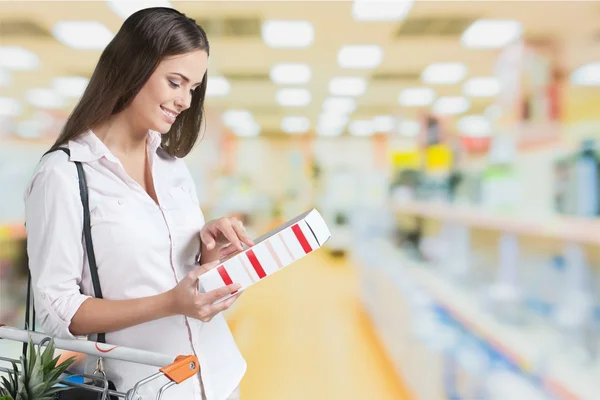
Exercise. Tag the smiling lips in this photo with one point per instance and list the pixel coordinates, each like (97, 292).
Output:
(171, 115)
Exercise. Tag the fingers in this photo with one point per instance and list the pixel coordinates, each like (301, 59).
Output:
(226, 228)
(207, 239)
(216, 294)
(211, 308)
(224, 305)
(241, 233)
(203, 269)
(231, 229)
(228, 251)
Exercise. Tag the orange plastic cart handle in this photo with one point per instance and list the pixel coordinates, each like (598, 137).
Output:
(181, 369)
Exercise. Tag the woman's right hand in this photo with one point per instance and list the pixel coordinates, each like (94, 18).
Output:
(187, 300)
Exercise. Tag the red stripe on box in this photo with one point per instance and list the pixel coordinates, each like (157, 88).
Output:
(225, 276)
(256, 264)
(301, 238)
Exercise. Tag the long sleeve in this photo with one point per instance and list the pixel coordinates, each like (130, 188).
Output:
(54, 223)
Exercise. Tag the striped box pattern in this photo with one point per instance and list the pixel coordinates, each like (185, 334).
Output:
(271, 252)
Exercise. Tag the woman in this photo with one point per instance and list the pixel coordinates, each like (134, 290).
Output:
(140, 114)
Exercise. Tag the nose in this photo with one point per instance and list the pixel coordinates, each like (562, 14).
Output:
(183, 103)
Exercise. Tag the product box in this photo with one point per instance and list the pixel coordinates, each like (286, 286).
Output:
(271, 252)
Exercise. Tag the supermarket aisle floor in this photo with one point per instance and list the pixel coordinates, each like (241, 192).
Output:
(306, 337)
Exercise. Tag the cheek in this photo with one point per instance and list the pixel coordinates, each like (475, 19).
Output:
(158, 92)
(142, 102)
(152, 95)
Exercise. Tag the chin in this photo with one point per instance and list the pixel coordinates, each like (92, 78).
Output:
(162, 128)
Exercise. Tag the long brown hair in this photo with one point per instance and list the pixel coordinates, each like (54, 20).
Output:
(126, 64)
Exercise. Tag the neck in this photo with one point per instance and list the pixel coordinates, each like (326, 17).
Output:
(120, 137)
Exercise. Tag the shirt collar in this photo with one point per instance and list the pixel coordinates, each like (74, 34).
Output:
(88, 147)
(154, 141)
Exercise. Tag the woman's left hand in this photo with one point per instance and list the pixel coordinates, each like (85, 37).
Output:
(226, 234)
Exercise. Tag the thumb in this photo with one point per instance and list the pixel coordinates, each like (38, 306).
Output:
(201, 269)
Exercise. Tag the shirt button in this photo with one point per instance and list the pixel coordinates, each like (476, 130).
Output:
(120, 202)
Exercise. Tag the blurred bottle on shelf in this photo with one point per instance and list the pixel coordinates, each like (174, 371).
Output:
(577, 182)
(505, 295)
(574, 315)
(587, 176)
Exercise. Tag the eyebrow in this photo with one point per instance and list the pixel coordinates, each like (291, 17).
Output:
(185, 78)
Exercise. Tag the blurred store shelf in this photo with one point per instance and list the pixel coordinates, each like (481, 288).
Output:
(582, 230)
(525, 346)
(531, 350)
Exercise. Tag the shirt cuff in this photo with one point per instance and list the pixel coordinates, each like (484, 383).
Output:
(60, 312)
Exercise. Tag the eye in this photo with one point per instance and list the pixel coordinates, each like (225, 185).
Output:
(173, 84)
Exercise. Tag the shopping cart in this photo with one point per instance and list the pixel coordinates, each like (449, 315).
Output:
(177, 370)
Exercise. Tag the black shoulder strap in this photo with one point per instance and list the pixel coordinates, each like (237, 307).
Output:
(87, 233)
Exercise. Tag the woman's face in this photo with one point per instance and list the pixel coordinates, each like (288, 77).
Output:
(168, 92)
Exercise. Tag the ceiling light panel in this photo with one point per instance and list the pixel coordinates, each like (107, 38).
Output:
(481, 87)
(339, 105)
(333, 120)
(360, 56)
(18, 58)
(233, 118)
(291, 74)
(295, 124)
(293, 97)
(217, 86)
(416, 97)
(10, 107)
(381, 10)
(587, 75)
(5, 77)
(70, 86)
(361, 128)
(82, 35)
(444, 73)
(325, 130)
(383, 123)
(287, 34)
(251, 129)
(124, 8)
(347, 86)
(450, 105)
(45, 98)
(491, 34)
(331, 124)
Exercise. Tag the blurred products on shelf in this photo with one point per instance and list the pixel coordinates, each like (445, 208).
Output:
(577, 182)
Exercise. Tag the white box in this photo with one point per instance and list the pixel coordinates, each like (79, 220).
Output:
(271, 252)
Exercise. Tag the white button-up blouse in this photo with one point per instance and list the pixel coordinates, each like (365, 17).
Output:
(141, 249)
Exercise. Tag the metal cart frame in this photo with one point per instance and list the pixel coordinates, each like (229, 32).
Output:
(178, 370)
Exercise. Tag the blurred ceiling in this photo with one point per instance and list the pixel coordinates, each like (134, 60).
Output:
(430, 33)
